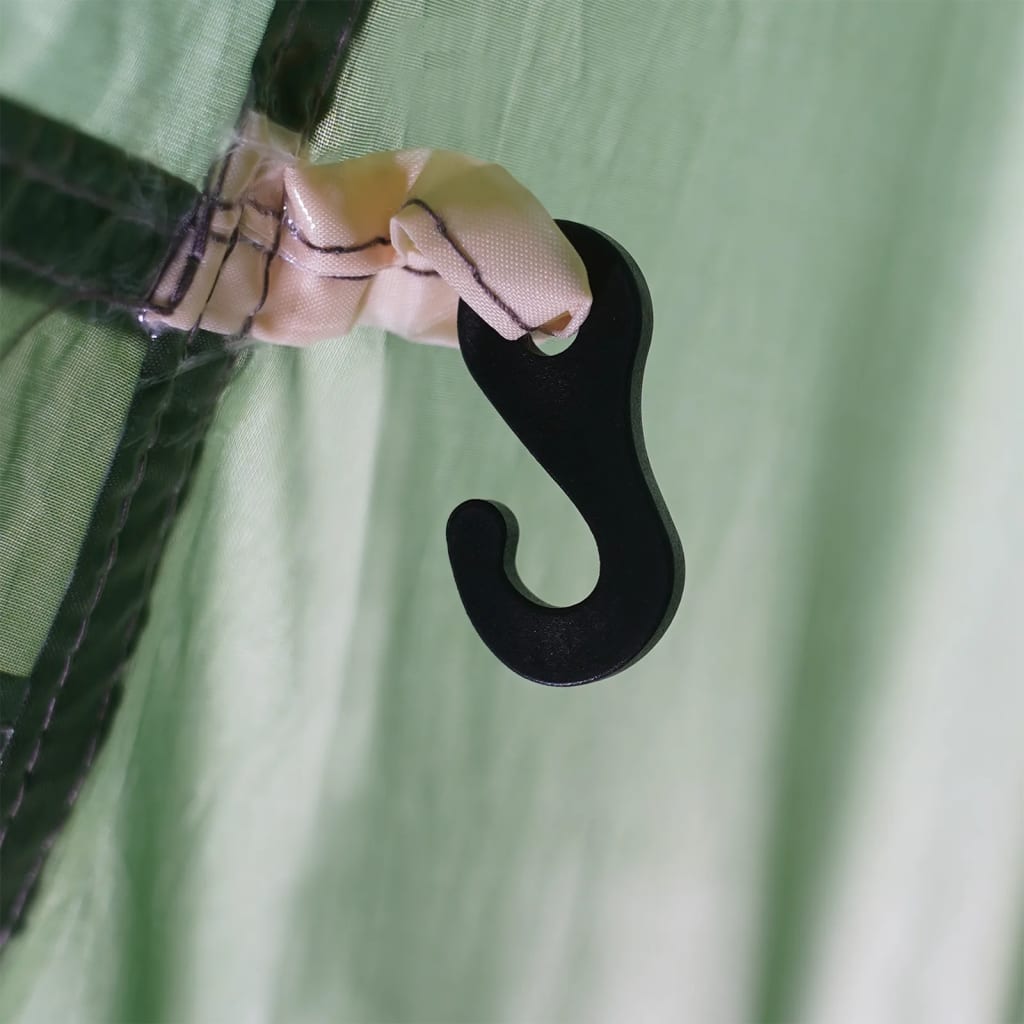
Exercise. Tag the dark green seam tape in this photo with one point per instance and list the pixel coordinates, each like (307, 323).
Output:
(82, 223)
(76, 683)
(68, 702)
(299, 58)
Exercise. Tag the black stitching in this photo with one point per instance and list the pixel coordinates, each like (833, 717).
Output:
(32, 172)
(82, 290)
(230, 241)
(271, 253)
(421, 273)
(296, 232)
(278, 253)
(78, 286)
(18, 906)
(28, 881)
(234, 204)
(188, 270)
(210, 201)
(473, 268)
(199, 223)
(268, 211)
(255, 243)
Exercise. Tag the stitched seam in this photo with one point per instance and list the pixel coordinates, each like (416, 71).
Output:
(18, 905)
(106, 702)
(88, 291)
(442, 229)
(271, 253)
(75, 286)
(231, 241)
(6, 201)
(199, 224)
(202, 229)
(33, 172)
(21, 898)
(207, 203)
(215, 201)
(97, 592)
(332, 65)
(281, 254)
(163, 530)
(296, 232)
(234, 204)
(286, 38)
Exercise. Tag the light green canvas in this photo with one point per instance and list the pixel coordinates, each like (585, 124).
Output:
(64, 390)
(324, 800)
(162, 80)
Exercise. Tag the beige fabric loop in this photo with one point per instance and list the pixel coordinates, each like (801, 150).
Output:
(297, 252)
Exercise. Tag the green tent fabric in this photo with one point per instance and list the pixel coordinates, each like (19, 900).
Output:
(134, 75)
(64, 389)
(322, 799)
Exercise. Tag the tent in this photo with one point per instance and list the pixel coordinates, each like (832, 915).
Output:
(257, 764)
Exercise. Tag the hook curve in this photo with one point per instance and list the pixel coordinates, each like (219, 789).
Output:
(578, 414)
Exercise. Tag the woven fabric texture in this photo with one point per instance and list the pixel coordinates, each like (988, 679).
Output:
(114, 70)
(300, 251)
(322, 798)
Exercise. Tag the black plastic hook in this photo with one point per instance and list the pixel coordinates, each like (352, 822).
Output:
(578, 413)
